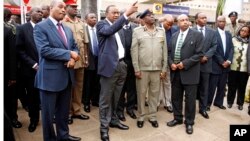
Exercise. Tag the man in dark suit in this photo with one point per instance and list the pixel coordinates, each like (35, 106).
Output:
(208, 48)
(248, 69)
(10, 76)
(129, 86)
(186, 51)
(220, 65)
(91, 78)
(111, 67)
(10, 70)
(29, 64)
(58, 53)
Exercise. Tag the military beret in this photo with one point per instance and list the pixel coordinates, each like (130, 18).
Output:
(233, 14)
(143, 14)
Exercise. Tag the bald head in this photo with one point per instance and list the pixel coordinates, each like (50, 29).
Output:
(57, 9)
(36, 14)
(168, 21)
(183, 22)
(221, 22)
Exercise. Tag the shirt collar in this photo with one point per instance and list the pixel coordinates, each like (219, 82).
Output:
(185, 32)
(220, 30)
(54, 21)
(33, 24)
(199, 27)
(67, 19)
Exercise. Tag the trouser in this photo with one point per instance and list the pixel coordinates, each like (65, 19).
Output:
(150, 80)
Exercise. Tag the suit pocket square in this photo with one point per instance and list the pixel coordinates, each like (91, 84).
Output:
(191, 42)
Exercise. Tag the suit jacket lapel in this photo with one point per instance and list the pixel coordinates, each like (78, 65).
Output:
(220, 42)
(30, 35)
(188, 37)
(54, 29)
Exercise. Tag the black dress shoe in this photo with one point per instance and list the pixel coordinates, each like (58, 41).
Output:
(119, 126)
(81, 116)
(121, 117)
(229, 105)
(204, 114)
(189, 129)
(95, 104)
(104, 136)
(140, 124)
(220, 106)
(86, 108)
(131, 114)
(169, 109)
(73, 138)
(240, 107)
(154, 123)
(16, 124)
(32, 127)
(173, 123)
(70, 120)
(208, 108)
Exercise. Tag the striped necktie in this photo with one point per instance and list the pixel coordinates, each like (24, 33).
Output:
(177, 55)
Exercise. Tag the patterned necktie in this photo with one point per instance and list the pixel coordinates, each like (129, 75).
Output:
(94, 43)
(60, 31)
(177, 55)
(202, 31)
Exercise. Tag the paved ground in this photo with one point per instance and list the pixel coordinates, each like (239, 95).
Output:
(214, 129)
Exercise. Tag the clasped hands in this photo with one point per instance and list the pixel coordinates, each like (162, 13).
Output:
(73, 58)
(138, 74)
(179, 66)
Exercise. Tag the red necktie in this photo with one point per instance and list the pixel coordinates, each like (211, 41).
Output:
(60, 30)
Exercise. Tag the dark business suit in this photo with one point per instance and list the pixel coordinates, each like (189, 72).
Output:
(129, 85)
(27, 52)
(10, 67)
(112, 71)
(218, 78)
(91, 78)
(208, 48)
(53, 78)
(186, 79)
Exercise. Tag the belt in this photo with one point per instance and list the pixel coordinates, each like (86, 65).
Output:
(122, 59)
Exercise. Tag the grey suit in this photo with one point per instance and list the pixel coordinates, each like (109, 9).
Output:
(208, 48)
(186, 79)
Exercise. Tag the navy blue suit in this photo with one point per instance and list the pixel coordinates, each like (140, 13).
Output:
(219, 74)
(53, 78)
(113, 72)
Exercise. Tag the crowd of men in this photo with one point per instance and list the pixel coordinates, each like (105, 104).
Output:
(57, 62)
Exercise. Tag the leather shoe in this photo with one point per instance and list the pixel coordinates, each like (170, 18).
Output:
(240, 107)
(70, 120)
(154, 123)
(32, 127)
(104, 136)
(169, 109)
(86, 108)
(229, 105)
(189, 129)
(131, 114)
(204, 114)
(119, 126)
(208, 108)
(220, 106)
(174, 123)
(121, 117)
(95, 104)
(16, 124)
(81, 116)
(73, 138)
(140, 124)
